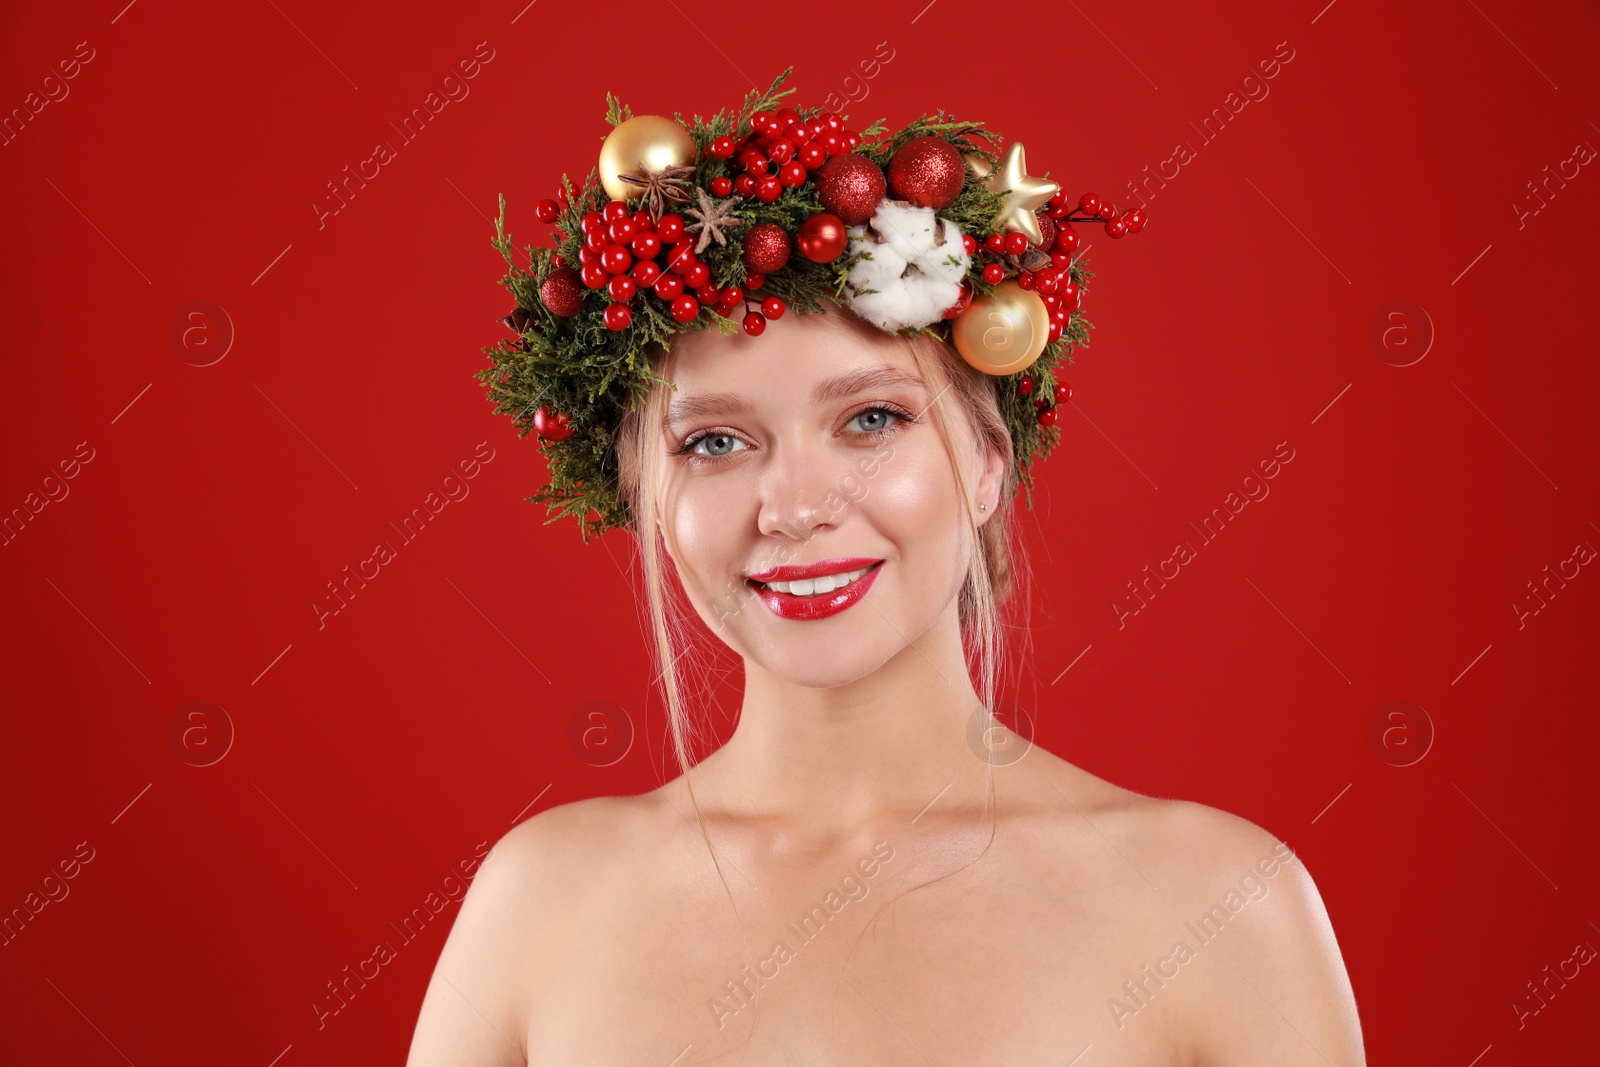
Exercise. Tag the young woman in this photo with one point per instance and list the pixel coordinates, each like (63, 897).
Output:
(873, 869)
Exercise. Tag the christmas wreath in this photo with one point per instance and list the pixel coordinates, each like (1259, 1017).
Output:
(738, 219)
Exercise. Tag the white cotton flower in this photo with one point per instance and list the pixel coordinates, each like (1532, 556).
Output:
(917, 263)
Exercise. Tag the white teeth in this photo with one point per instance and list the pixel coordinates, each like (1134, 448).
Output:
(817, 586)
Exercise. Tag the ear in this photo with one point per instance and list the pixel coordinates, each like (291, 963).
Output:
(989, 483)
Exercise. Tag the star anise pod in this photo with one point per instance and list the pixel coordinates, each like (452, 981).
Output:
(714, 216)
(1032, 261)
(658, 188)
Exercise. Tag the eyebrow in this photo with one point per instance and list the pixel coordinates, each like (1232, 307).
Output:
(839, 387)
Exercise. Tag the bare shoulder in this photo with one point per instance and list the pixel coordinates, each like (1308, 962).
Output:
(1224, 888)
(473, 1012)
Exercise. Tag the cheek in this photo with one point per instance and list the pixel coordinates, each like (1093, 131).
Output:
(913, 500)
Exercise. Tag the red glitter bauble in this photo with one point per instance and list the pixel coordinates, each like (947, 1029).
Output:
(766, 248)
(927, 171)
(1047, 229)
(562, 292)
(822, 238)
(850, 187)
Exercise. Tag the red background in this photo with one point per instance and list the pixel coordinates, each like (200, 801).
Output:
(372, 754)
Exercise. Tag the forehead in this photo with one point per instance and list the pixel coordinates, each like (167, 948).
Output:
(800, 359)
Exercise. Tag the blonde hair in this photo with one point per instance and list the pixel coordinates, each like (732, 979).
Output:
(993, 556)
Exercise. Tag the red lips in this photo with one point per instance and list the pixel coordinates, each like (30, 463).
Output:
(812, 570)
(804, 608)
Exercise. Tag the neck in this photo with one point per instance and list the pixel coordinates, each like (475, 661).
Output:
(882, 748)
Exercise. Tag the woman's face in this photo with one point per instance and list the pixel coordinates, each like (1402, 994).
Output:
(815, 442)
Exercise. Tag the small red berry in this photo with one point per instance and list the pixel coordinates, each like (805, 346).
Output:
(622, 231)
(645, 273)
(1089, 204)
(1047, 417)
(722, 147)
(621, 287)
(768, 189)
(646, 246)
(754, 323)
(708, 294)
(722, 186)
(614, 210)
(1016, 243)
(618, 317)
(685, 308)
(668, 286)
(594, 275)
(616, 259)
(992, 273)
(696, 276)
(670, 228)
(1063, 392)
(1025, 386)
(546, 211)
(773, 307)
(755, 281)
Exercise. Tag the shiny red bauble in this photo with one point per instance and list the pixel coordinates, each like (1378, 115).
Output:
(822, 238)
(850, 187)
(551, 426)
(766, 248)
(562, 292)
(928, 171)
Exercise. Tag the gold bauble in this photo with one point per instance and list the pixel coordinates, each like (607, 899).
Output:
(1024, 194)
(642, 144)
(1003, 333)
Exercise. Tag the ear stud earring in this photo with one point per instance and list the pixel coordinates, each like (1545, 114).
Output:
(983, 507)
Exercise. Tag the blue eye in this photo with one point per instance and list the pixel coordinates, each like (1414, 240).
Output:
(884, 419)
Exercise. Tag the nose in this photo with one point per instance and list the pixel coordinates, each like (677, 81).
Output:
(799, 491)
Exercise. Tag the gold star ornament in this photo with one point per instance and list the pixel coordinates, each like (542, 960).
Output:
(1023, 194)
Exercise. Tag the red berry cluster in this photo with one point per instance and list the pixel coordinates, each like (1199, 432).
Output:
(779, 152)
(625, 254)
(1095, 209)
(1045, 408)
